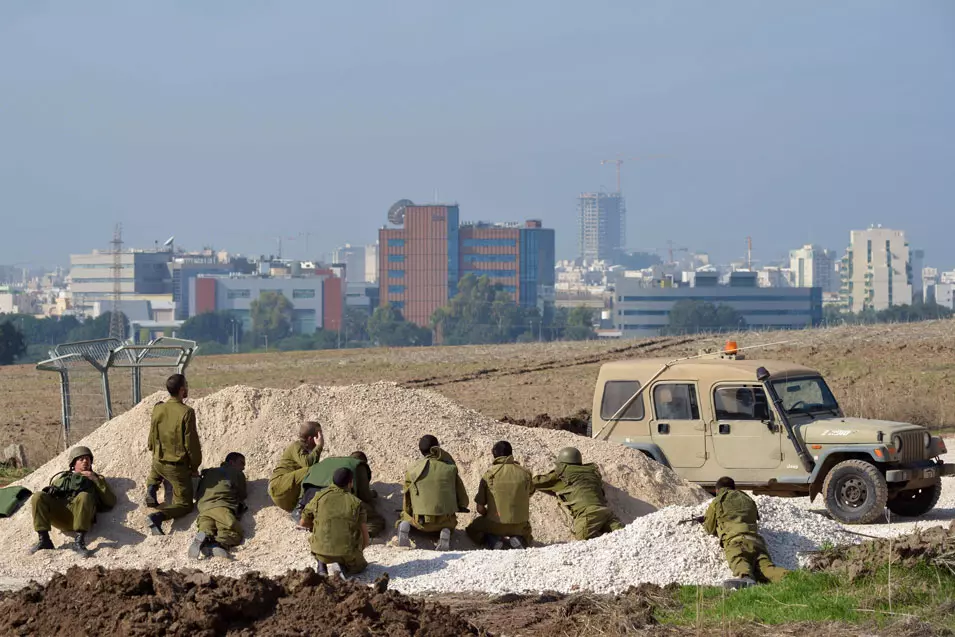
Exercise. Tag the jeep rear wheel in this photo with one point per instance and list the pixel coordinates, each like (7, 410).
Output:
(855, 492)
(915, 502)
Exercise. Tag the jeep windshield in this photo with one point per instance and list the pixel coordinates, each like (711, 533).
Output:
(806, 396)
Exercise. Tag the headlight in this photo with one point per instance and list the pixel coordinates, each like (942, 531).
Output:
(897, 443)
(927, 439)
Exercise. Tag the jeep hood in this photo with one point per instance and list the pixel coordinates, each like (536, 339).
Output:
(852, 430)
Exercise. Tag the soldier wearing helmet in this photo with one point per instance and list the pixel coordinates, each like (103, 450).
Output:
(579, 489)
(70, 502)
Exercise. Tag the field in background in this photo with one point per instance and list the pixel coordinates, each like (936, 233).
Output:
(897, 372)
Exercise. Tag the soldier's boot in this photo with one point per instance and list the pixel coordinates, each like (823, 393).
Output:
(154, 522)
(736, 583)
(493, 542)
(43, 543)
(444, 541)
(516, 542)
(296, 513)
(404, 533)
(78, 545)
(152, 494)
(335, 571)
(198, 543)
(220, 551)
(322, 569)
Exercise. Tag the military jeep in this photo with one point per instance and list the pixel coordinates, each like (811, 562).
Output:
(774, 427)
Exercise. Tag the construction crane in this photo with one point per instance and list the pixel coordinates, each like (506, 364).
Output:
(619, 162)
(117, 323)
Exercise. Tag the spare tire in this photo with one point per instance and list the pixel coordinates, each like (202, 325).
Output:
(855, 492)
(912, 503)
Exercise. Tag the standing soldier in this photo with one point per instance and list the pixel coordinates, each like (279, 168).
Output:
(580, 491)
(320, 476)
(174, 441)
(339, 534)
(732, 516)
(70, 502)
(433, 495)
(285, 485)
(503, 502)
(220, 499)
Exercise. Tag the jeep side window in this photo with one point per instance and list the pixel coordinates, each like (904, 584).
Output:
(741, 403)
(675, 401)
(616, 393)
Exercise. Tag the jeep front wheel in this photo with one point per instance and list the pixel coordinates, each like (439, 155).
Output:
(912, 503)
(855, 492)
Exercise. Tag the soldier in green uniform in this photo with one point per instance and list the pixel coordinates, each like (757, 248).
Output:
(732, 516)
(339, 534)
(503, 503)
(220, 499)
(70, 502)
(177, 454)
(433, 495)
(320, 475)
(579, 489)
(285, 485)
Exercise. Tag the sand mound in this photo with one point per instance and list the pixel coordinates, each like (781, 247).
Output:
(382, 419)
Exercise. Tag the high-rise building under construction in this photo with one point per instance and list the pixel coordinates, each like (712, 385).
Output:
(601, 225)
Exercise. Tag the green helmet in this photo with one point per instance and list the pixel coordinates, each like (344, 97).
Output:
(77, 453)
(570, 455)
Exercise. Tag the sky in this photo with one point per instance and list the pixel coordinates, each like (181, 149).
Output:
(233, 122)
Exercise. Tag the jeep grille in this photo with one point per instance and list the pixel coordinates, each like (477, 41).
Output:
(913, 446)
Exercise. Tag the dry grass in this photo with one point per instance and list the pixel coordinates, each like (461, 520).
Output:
(897, 372)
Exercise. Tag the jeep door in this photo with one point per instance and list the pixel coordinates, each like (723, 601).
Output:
(745, 435)
(676, 425)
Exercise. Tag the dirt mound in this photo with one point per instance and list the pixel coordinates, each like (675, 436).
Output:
(578, 423)
(150, 602)
(382, 419)
(934, 545)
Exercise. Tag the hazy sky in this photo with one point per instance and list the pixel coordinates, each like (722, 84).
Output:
(231, 122)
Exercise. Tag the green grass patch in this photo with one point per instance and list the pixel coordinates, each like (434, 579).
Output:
(925, 592)
(12, 474)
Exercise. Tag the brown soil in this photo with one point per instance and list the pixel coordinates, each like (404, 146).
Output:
(576, 423)
(143, 603)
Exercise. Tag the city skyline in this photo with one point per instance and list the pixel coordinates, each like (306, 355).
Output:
(290, 120)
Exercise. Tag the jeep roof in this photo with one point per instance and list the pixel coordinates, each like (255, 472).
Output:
(707, 370)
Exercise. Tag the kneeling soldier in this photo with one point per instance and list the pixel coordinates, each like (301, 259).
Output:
(222, 493)
(320, 475)
(580, 491)
(70, 502)
(339, 533)
(433, 495)
(503, 503)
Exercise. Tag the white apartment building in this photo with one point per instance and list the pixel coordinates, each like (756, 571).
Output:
(813, 267)
(877, 271)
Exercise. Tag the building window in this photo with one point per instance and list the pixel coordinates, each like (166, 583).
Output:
(490, 258)
(398, 305)
(510, 289)
(868, 257)
(239, 294)
(494, 274)
(396, 289)
(303, 294)
(396, 274)
(396, 243)
(489, 243)
(396, 258)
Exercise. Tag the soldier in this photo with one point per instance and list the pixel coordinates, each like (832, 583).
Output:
(433, 494)
(221, 502)
(503, 503)
(320, 475)
(177, 454)
(732, 516)
(339, 533)
(579, 489)
(71, 502)
(285, 485)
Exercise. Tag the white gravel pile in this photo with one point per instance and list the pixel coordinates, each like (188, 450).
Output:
(382, 419)
(652, 549)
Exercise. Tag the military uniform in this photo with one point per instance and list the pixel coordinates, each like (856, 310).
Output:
(71, 502)
(336, 517)
(319, 476)
(433, 493)
(505, 491)
(285, 485)
(221, 501)
(579, 489)
(177, 454)
(732, 516)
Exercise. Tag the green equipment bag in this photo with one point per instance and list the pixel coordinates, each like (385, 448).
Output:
(11, 499)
